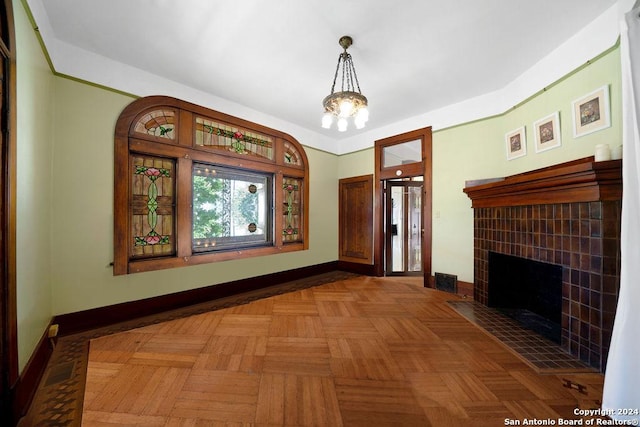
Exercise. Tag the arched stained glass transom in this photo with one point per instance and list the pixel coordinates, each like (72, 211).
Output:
(194, 186)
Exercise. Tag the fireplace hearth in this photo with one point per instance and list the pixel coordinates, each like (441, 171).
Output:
(566, 215)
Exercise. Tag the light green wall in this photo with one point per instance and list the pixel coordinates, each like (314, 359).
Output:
(65, 189)
(355, 164)
(82, 214)
(34, 185)
(477, 150)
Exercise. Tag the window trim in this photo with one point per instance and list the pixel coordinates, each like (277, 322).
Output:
(183, 149)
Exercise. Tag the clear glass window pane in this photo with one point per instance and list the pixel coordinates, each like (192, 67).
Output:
(231, 208)
(398, 221)
(414, 217)
(402, 154)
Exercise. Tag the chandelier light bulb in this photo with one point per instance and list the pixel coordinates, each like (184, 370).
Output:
(327, 120)
(358, 122)
(362, 115)
(342, 124)
(346, 107)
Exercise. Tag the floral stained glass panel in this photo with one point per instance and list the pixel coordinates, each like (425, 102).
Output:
(160, 123)
(215, 135)
(292, 218)
(291, 155)
(153, 206)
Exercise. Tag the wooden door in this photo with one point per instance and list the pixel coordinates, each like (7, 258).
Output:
(356, 220)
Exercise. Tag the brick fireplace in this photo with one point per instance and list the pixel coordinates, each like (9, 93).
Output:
(567, 215)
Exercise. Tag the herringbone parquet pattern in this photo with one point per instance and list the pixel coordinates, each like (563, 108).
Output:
(360, 351)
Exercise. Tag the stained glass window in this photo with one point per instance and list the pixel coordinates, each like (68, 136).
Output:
(224, 137)
(292, 223)
(291, 155)
(152, 189)
(160, 123)
(194, 186)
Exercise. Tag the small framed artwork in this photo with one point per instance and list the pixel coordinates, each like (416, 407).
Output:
(516, 143)
(547, 132)
(591, 112)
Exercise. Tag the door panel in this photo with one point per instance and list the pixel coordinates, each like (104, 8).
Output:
(356, 219)
(403, 228)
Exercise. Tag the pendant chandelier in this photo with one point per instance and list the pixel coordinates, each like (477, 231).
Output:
(349, 101)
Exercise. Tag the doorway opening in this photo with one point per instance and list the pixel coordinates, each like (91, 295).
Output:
(402, 205)
(403, 227)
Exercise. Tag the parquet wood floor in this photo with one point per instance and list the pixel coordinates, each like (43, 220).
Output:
(361, 351)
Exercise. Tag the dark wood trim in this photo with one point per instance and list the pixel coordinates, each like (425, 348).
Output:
(423, 169)
(582, 180)
(465, 289)
(9, 364)
(72, 323)
(357, 268)
(25, 389)
(139, 266)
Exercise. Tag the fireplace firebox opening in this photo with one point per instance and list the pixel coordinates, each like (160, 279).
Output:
(528, 291)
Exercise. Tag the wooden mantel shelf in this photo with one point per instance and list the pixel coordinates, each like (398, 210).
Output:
(582, 180)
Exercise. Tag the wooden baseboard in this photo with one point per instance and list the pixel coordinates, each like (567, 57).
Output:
(464, 289)
(357, 268)
(24, 390)
(85, 320)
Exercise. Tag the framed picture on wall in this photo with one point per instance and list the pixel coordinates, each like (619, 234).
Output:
(591, 112)
(547, 132)
(516, 141)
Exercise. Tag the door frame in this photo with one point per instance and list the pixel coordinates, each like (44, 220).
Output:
(382, 173)
(405, 184)
(8, 310)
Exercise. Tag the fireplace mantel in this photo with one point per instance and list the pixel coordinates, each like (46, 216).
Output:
(582, 180)
(567, 215)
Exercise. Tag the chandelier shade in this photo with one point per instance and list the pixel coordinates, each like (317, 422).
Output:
(349, 102)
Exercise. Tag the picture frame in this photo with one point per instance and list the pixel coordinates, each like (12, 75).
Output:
(516, 143)
(547, 132)
(591, 112)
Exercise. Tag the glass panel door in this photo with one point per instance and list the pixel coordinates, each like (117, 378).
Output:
(403, 230)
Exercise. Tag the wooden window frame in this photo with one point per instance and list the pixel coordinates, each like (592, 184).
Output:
(182, 149)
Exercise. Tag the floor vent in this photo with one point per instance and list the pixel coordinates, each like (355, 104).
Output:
(60, 373)
(447, 282)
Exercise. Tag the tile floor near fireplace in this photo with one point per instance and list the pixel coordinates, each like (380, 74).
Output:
(540, 353)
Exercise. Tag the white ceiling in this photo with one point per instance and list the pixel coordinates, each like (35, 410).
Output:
(278, 57)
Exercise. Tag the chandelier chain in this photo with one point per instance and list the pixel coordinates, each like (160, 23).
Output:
(355, 76)
(335, 77)
(346, 72)
(349, 101)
